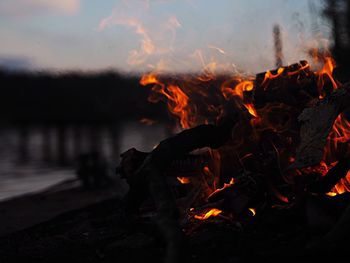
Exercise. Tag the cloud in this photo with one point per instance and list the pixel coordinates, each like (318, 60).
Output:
(27, 8)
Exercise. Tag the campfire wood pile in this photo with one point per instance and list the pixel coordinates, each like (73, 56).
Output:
(234, 171)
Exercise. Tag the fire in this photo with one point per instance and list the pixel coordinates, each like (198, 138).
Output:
(269, 75)
(210, 213)
(177, 100)
(343, 185)
(238, 90)
(253, 210)
(183, 180)
(251, 109)
(177, 103)
(303, 67)
(326, 72)
(149, 79)
(232, 181)
(338, 137)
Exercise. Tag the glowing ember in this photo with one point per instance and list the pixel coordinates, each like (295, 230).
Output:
(183, 180)
(210, 213)
(253, 211)
(147, 121)
(232, 181)
(339, 135)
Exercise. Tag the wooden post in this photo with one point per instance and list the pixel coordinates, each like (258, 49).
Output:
(46, 144)
(23, 143)
(61, 145)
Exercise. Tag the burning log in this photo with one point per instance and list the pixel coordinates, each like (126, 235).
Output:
(274, 119)
(244, 192)
(149, 176)
(326, 183)
(317, 122)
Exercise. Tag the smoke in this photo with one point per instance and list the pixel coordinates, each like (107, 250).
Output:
(28, 8)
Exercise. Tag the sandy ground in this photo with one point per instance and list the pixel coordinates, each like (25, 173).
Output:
(27, 210)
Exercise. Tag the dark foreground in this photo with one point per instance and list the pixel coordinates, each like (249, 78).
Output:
(102, 233)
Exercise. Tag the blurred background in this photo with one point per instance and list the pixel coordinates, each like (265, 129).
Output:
(70, 71)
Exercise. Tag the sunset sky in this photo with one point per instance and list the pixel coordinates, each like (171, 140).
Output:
(139, 35)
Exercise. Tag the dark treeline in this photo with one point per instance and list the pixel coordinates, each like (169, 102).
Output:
(59, 105)
(337, 12)
(45, 98)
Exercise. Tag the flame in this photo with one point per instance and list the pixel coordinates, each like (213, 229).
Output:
(149, 79)
(343, 185)
(232, 181)
(253, 210)
(251, 109)
(338, 138)
(295, 72)
(183, 180)
(269, 75)
(326, 71)
(210, 213)
(177, 100)
(238, 90)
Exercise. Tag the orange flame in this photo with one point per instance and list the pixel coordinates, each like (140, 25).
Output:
(269, 75)
(177, 100)
(303, 67)
(238, 91)
(210, 213)
(232, 181)
(342, 186)
(251, 109)
(149, 79)
(326, 71)
(253, 210)
(340, 134)
(183, 180)
(246, 85)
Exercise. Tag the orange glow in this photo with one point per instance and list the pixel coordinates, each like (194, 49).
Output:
(232, 181)
(303, 67)
(183, 180)
(253, 210)
(149, 79)
(326, 71)
(251, 109)
(177, 103)
(269, 75)
(177, 100)
(147, 121)
(238, 91)
(210, 213)
(246, 85)
(339, 135)
(343, 185)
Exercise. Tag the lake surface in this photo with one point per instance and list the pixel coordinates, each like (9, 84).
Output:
(18, 178)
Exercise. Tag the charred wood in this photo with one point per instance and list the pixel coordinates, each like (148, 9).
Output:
(316, 123)
(327, 182)
(148, 178)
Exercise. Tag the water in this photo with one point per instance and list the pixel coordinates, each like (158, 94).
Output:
(18, 177)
